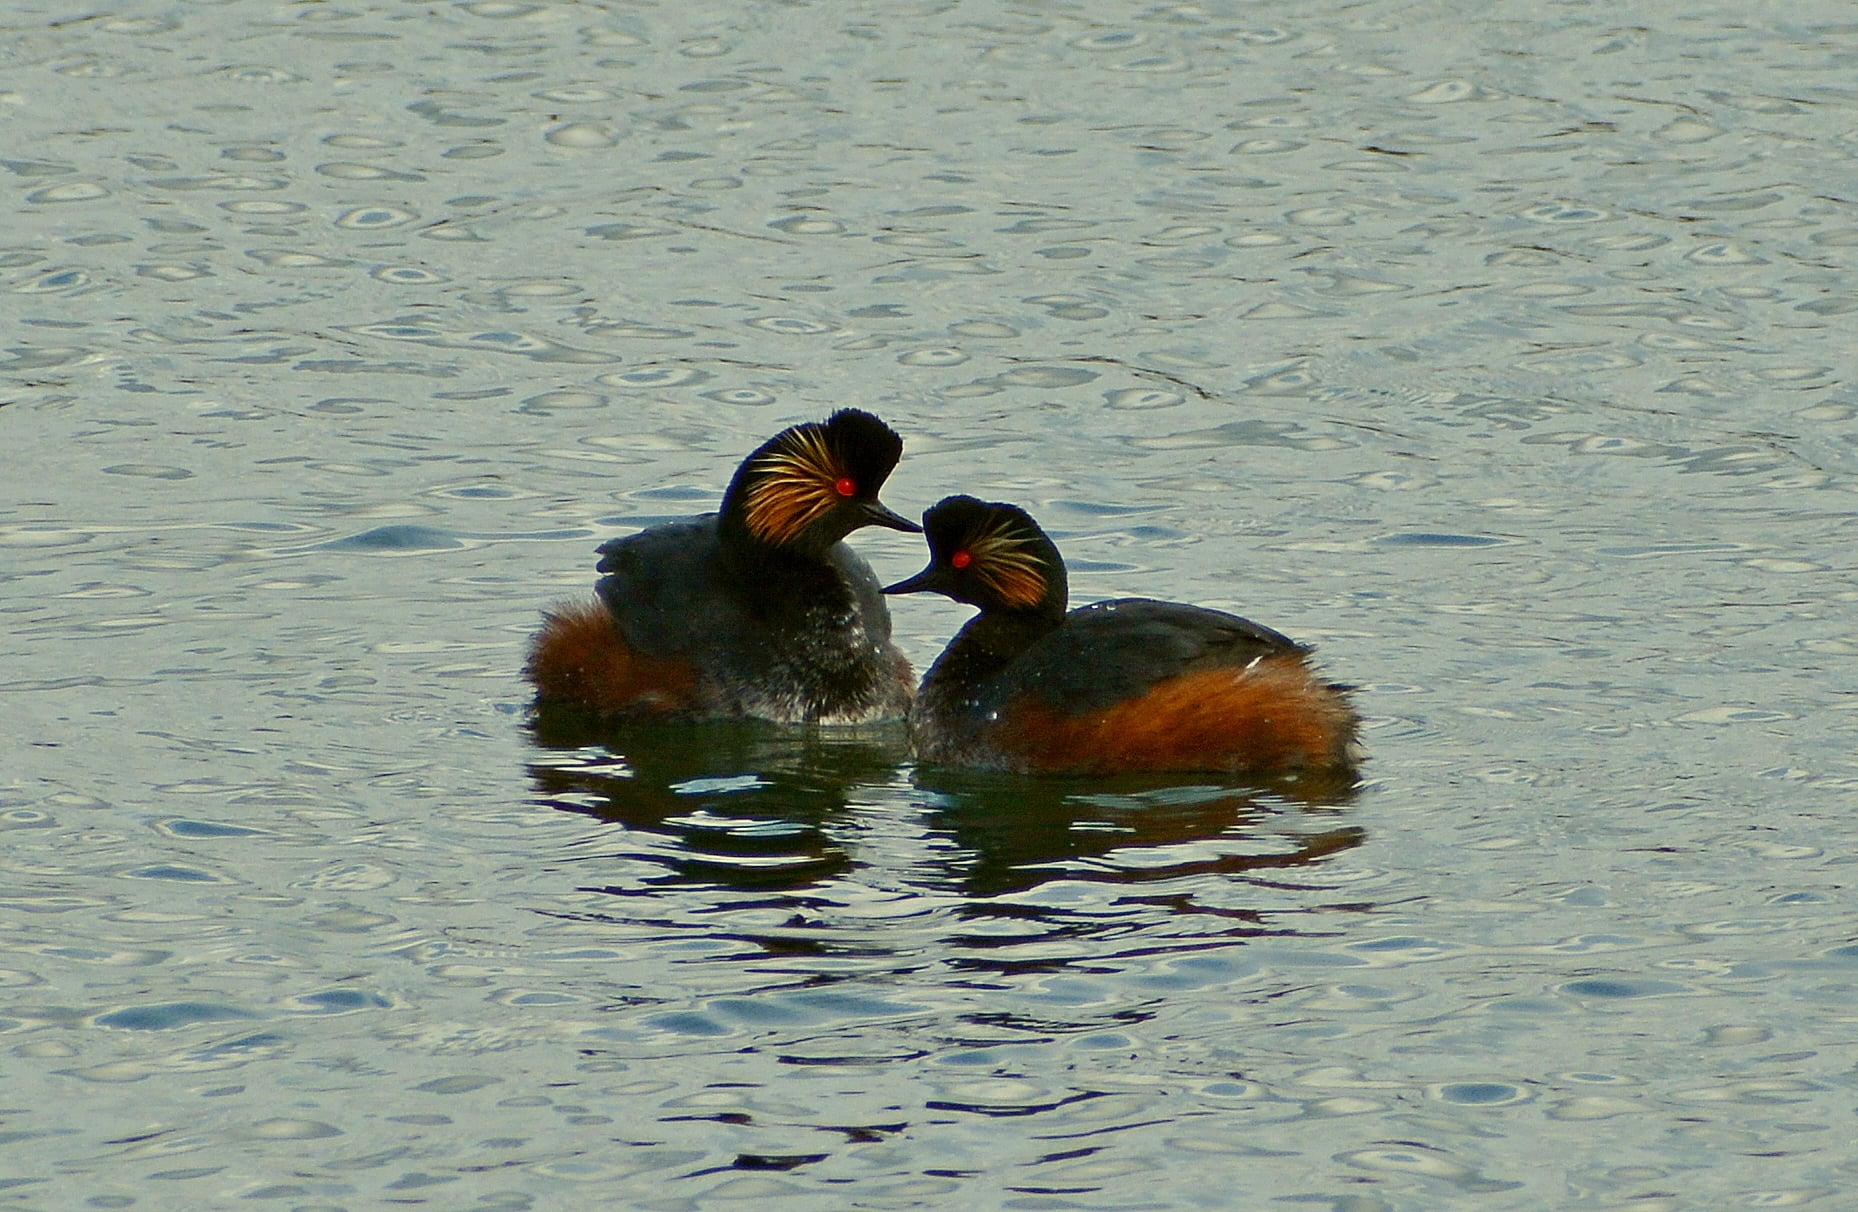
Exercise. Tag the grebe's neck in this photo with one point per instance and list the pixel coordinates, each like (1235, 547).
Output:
(989, 643)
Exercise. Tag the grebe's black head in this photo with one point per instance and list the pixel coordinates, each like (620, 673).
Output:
(988, 554)
(810, 485)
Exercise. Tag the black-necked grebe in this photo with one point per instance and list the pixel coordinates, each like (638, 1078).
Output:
(1126, 685)
(758, 610)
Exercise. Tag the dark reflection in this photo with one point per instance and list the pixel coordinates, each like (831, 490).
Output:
(1046, 873)
(741, 805)
(1017, 832)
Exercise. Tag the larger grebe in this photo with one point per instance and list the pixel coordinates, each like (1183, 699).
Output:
(1132, 684)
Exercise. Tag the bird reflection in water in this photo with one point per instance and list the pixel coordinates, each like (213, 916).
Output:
(744, 805)
(1138, 831)
(762, 808)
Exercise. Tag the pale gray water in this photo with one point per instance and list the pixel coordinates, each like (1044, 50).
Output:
(1507, 357)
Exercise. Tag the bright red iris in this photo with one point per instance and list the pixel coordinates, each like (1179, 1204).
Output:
(961, 559)
(845, 486)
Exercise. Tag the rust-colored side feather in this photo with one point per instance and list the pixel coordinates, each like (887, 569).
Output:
(1272, 716)
(580, 659)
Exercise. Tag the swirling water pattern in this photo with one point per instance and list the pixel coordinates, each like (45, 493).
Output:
(1502, 351)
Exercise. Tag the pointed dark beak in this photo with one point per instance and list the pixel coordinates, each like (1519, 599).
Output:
(923, 582)
(876, 513)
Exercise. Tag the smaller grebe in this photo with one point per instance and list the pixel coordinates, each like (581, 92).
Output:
(755, 611)
(1132, 684)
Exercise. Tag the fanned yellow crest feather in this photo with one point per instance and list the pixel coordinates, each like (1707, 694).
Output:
(794, 485)
(1007, 564)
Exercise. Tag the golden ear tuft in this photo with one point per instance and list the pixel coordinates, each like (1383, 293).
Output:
(794, 484)
(1007, 561)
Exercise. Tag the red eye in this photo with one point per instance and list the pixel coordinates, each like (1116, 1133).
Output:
(961, 559)
(845, 486)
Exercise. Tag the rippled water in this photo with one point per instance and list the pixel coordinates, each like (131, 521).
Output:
(1505, 357)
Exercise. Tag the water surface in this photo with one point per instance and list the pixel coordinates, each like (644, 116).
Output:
(1504, 357)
